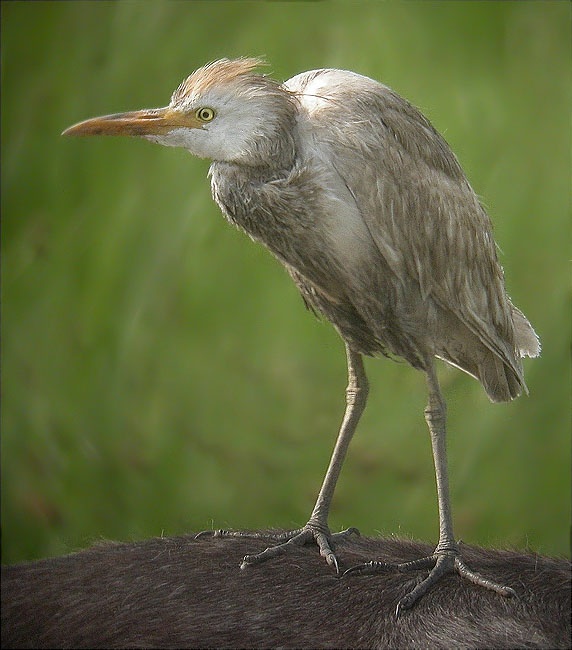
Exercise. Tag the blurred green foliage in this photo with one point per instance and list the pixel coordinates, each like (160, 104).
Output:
(160, 374)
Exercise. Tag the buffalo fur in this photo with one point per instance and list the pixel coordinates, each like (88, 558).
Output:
(186, 593)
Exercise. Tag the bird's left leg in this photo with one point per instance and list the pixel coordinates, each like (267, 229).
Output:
(317, 529)
(447, 557)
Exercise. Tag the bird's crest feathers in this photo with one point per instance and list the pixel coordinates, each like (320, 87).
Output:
(216, 73)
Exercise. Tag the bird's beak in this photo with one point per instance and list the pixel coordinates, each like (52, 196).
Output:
(152, 121)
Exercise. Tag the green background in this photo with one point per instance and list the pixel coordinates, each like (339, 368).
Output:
(160, 374)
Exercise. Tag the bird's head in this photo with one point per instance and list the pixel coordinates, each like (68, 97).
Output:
(224, 111)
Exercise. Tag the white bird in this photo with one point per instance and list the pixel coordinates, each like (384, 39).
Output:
(362, 200)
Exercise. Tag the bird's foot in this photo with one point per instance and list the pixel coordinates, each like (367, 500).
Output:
(441, 563)
(311, 532)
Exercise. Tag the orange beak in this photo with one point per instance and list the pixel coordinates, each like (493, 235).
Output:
(151, 121)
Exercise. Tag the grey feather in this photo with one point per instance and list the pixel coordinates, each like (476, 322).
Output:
(412, 270)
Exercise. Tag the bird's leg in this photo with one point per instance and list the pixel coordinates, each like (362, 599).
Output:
(447, 557)
(317, 527)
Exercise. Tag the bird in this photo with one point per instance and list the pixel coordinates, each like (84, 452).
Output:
(361, 199)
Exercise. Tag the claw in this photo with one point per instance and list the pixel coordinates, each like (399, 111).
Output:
(332, 560)
(440, 564)
(369, 567)
(217, 532)
(406, 603)
(320, 535)
(464, 571)
(399, 609)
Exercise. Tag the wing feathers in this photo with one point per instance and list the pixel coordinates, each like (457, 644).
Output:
(425, 220)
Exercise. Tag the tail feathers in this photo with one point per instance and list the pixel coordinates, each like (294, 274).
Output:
(504, 381)
(526, 341)
(501, 381)
(493, 362)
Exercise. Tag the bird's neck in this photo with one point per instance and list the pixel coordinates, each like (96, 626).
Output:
(256, 169)
(270, 150)
(250, 198)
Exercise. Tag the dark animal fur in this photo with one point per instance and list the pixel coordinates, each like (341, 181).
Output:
(186, 593)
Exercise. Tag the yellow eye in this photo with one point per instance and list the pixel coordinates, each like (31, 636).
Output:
(205, 114)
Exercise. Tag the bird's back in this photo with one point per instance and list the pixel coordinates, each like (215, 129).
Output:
(424, 278)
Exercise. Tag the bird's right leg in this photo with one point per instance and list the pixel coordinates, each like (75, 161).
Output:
(317, 529)
(446, 557)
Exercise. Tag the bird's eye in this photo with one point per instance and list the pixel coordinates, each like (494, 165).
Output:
(205, 114)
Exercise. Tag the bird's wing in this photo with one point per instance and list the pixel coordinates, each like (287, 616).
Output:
(414, 198)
